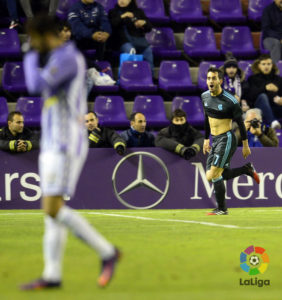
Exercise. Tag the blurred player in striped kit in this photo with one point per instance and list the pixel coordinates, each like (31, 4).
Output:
(64, 147)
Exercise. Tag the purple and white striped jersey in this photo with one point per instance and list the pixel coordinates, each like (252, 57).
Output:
(62, 85)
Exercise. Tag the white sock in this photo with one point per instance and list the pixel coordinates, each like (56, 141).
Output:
(53, 248)
(82, 229)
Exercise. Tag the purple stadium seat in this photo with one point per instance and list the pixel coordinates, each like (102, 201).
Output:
(261, 46)
(238, 40)
(136, 76)
(200, 42)
(162, 42)
(153, 109)
(63, 8)
(105, 65)
(202, 73)
(111, 111)
(13, 79)
(3, 111)
(246, 66)
(255, 9)
(193, 107)
(154, 10)
(9, 43)
(279, 66)
(189, 11)
(108, 4)
(279, 135)
(226, 11)
(90, 53)
(174, 76)
(30, 107)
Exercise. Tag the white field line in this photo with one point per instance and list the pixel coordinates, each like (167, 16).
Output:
(155, 219)
(171, 220)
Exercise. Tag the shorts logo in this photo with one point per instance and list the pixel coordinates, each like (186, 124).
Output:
(254, 260)
(220, 106)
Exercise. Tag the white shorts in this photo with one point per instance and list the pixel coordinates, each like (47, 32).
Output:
(59, 172)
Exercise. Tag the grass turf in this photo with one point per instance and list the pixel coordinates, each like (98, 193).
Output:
(164, 256)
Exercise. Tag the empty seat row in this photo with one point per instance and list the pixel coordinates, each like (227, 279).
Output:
(186, 11)
(111, 110)
(174, 76)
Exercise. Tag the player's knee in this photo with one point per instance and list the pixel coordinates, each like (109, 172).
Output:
(213, 174)
(52, 205)
(209, 175)
(51, 211)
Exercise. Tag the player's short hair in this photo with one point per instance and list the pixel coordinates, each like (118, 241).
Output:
(92, 112)
(132, 116)
(216, 70)
(43, 24)
(12, 114)
(178, 113)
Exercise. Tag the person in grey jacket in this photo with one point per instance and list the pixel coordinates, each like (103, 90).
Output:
(180, 137)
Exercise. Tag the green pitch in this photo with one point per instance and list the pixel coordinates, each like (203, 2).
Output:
(167, 254)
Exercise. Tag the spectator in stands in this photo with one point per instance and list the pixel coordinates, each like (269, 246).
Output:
(136, 135)
(233, 78)
(271, 24)
(180, 137)
(130, 25)
(13, 14)
(259, 134)
(264, 90)
(94, 72)
(28, 9)
(103, 137)
(15, 137)
(90, 26)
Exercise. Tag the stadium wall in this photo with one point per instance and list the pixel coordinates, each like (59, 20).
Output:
(142, 178)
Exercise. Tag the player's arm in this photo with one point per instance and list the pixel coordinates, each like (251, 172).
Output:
(206, 145)
(57, 71)
(246, 149)
(34, 81)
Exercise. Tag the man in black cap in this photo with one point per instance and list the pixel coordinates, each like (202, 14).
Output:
(233, 77)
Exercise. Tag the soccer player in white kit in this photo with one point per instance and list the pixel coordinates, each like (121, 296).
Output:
(64, 147)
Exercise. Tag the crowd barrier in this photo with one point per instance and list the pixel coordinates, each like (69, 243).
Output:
(144, 178)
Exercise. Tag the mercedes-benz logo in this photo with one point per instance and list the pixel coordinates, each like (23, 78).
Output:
(141, 180)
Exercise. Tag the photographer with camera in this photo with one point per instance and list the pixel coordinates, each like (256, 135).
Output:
(259, 134)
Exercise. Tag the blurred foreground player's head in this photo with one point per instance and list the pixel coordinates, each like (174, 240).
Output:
(44, 33)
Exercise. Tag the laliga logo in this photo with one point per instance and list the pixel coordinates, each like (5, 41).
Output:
(254, 261)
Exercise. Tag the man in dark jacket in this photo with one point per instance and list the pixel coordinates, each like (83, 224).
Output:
(15, 137)
(271, 24)
(136, 135)
(180, 137)
(102, 137)
(263, 90)
(130, 25)
(90, 26)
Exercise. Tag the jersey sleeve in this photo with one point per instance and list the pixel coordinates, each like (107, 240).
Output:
(237, 111)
